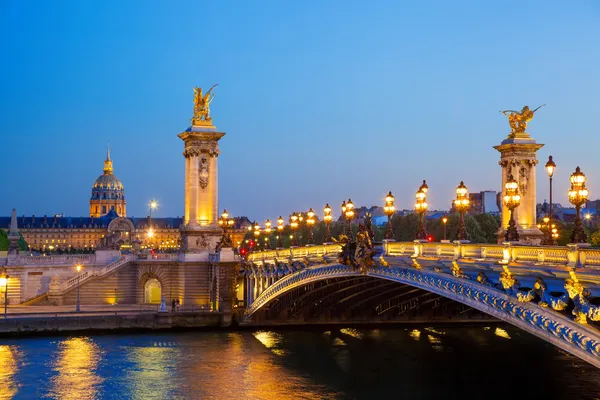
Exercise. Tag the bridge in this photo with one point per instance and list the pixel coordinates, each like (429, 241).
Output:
(548, 291)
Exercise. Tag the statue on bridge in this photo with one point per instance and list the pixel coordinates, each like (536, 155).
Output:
(358, 254)
(202, 106)
(518, 120)
(111, 241)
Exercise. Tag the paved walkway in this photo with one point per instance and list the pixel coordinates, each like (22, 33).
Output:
(37, 311)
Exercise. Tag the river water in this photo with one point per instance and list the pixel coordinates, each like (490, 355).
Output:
(331, 363)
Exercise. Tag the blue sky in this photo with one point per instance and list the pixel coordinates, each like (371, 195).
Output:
(321, 100)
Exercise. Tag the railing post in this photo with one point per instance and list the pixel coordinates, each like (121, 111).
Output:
(541, 255)
(575, 255)
(507, 253)
(418, 247)
(457, 250)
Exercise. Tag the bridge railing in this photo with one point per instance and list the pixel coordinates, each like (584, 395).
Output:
(573, 255)
(295, 252)
(64, 259)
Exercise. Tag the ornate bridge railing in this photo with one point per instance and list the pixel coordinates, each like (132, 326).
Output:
(64, 259)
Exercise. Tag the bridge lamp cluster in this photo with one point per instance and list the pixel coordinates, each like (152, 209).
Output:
(421, 208)
(268, 231)
(578, 195)
(462, 205)
(550, 231)
(280, 228)
(310, 221)
(511, 199)
(389, 209)
(294, 225)
(327, 217)
(348, 213)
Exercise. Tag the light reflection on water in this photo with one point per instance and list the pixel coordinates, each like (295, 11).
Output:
(270, 364)
(8, 368)
(75, 365)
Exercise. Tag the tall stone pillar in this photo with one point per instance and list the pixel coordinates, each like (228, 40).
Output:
(201, 231)
(518, 158)
(13, 238)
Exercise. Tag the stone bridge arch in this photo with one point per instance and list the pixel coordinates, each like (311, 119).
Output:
(578, 339)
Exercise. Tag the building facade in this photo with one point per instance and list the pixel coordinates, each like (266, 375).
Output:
(108, 193)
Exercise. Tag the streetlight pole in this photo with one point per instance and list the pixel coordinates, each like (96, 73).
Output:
(444, 221)
(268, 231)
(77, 307)
(512, 199)
(310, 221)
(389, 209)
(421, 209)
(294, 226)
(327, 217)
(350, 217)
(578, 196)
(462, 204)
(280, 228)
(550, 168)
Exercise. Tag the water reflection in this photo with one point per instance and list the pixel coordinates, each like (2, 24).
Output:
(75, 366)
(8, 369)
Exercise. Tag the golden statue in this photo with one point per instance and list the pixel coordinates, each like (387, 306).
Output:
(201, 106)
(518, 120)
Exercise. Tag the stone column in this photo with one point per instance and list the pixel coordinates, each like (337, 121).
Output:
(518, 158)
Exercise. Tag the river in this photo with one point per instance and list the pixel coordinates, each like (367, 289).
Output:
(479, 362)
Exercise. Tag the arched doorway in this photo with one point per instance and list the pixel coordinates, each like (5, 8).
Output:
(152, 291)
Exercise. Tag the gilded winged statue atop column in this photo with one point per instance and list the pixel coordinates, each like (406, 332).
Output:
(518, 119)
(202, 106)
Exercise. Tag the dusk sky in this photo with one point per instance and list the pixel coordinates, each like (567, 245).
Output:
(321, 100)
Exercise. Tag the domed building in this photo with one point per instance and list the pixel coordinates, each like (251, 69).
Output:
(107, 193)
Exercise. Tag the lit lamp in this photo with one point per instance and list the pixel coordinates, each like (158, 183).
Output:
(294, 226)
(389, 209)
(153, 205)
(444, 221)
(327, 217)
(226, 223)
(280, 228)
(349, 216)
(578, 196)
(462, 204)
(4, 288)
(512, 199)
(257, 233)
(268, 231)
(421, 209)
(77, 306)
(344, 212)
(550, 168)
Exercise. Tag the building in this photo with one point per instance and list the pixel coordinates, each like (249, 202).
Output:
(108, 193)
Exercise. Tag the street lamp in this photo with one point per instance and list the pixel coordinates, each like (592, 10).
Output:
(256, 233)
(327, 217)
(280, 228)
(512, 199)
(153, 205)
(462, 204)
(226, 223)
(444, 221)
(421, 209)
(344, 213)
(4, 288)
(268, 231)
(294, 226)
(389, 209)
(310, 221)
(578, 196)
(349, 216)
(77, 307)
(550, 168)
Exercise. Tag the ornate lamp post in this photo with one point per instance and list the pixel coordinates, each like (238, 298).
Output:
(280, 228)
(349, 214)
(344, 215)
(4, 288)
(550, 168)
(421, 209)
(462, 205)
(310, 221)
(294, 226)
(512, 199)
(578, 196)
(77, 306)
(389, 209)
(444, 221)
(256, 233)
(327, 217)
(226, 223)
(268, 231)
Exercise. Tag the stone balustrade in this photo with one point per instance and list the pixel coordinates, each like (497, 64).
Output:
(63, 259)
(572, 255)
